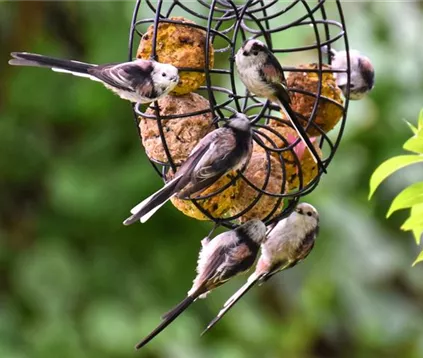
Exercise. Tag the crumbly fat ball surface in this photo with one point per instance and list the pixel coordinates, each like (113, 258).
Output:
(306, 162)
(217, 205)
(328, 113)
(256, 172)
(181, 46)
(280, 139)
(181, 134)
(309, 170)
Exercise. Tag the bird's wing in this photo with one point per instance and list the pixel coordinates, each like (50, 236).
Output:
(211, 164)
(300, 254)
(213, 161)
(238, 260)
(274, 76)
(209, 271)
(185, 171)
(224, 263)
(307, 245)
(128, 76)
(272, 72)
(206, 141)
(199, 151)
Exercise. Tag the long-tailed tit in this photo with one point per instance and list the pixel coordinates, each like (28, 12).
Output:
(287, 242)
(225, 149)
(141, 81)
(262, 75)
(362, 72)
(227, 255)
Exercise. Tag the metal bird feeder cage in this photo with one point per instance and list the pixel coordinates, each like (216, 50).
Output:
(226, 24)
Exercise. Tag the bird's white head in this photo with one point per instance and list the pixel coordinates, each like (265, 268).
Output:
(252, 53)
(308, 214)
(165, 76)
(239, 122)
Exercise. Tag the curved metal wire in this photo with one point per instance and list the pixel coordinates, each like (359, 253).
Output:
(226, 24)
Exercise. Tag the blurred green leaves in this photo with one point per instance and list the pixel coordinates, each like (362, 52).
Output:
(412, 196)
(49, 277)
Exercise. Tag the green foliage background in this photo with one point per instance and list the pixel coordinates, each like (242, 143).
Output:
(412, 196)
(75, 283)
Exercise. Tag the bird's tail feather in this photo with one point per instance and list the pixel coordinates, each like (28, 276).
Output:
(177, 308)
(144, 210)
(302, 133)
(232, 300)
(34, 60)
(170, 317)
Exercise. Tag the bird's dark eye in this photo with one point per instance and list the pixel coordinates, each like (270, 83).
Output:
(309, 213)
(164, 74)
(255, 53)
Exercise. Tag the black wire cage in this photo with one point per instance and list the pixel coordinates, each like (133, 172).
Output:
(226, 25)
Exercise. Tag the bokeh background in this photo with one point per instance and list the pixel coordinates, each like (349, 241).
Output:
(76, 283)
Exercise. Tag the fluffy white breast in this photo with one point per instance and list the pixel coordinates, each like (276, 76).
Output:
(248, 68)
(286, 237)
(128, 95)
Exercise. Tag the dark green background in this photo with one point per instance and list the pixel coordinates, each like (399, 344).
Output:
(76, 283)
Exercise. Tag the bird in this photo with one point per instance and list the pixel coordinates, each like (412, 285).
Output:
(227, 255)
(138, 81)
(362, 78)
(225, 149)
(262, 74)
(287, 242)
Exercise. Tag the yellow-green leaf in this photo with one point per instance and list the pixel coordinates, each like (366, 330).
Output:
(390, 166)
(413, 129)
(419, 258)
(417, 210)
(415, 143)
(420, 121)
(413, 223)
(410, 196)
(417, 233)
